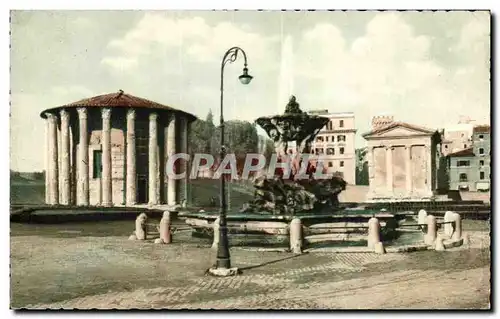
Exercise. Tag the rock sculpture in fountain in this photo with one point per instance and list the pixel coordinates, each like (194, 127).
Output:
(303, 190)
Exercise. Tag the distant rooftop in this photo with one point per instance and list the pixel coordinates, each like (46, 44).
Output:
(465, 152)
(482, 129)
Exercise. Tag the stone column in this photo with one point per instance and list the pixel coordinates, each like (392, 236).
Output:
(53, 162)
(65, 156)
(428, 163)
(47, 161)
(82, 197)
(388, 167)
(408, 172)
(131, 191)
(107, 197)
(183, 148)
(171, 150)
(153, 159)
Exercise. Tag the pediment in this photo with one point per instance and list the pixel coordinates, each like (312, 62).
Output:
(398, 130)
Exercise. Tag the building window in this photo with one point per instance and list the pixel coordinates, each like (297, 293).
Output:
(326, 138)
(97, 164)
(463, 163)
(319, 139)
(465, 145)
(329, 126)
(481, 151)
(330, 151)
(319, 151)
(446, 146)
(463, 177)
(341, 138)
(330, 164)
(481, 136)
(481, 175)
(341, 123)
(341, 163)
(481, 163)
(341, 150)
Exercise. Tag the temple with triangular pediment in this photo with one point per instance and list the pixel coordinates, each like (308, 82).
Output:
(402, 160)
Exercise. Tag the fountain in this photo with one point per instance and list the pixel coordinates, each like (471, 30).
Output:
(305, 189)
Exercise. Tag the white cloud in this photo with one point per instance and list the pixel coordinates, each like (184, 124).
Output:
(199, 41)
(390, 70)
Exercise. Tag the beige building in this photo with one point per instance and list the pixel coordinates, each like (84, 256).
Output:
(402, 161)
(335, 143)
(456, 138)
(112, 149)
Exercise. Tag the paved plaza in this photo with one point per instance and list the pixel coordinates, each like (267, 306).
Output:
(71, 270)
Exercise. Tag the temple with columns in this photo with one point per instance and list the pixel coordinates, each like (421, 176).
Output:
(113, 149)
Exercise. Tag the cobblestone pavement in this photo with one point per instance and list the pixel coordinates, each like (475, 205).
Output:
(112, 273)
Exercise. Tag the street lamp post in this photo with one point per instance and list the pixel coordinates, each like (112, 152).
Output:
(223, 265)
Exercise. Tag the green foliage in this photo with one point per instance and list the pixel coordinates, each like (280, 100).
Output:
(240, 137)
(361, 167)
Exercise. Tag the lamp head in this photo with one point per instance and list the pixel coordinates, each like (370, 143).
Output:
(245, 78)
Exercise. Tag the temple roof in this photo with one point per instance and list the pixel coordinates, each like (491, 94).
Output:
(393, 125)
(118, 100)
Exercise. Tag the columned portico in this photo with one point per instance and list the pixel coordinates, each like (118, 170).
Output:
(171, 150)
(83, 159)
(153, 159)
(388, 167)
(107, 199)
(53, 170)
(401, 165)
(408, 172)
(65, 159)
(131, 182)
(109, 150)
(183, 167)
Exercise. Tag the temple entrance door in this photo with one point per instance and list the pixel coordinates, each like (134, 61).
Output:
(142, 190)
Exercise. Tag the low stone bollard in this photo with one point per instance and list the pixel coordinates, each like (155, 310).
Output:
(439, 244)
(373, 232)
(422, 217)
(165, 231)
(140, 226)
(379, 248)
(466, 239)
(216, 228)
(457, 231)
(448, 227)
(296, 236)
(430, 236)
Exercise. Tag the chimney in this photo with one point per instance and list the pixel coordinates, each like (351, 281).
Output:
(381, 121)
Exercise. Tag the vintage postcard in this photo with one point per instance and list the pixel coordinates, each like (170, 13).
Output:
(250, 160)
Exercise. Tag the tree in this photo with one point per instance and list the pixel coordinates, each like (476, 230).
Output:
(443, 174)
(361, 167)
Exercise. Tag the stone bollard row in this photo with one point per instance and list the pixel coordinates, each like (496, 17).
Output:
(431, 235)
(457, 231)
(422, 217)
(165, 229)
(140, 232)
(374, 236)
(296, 236)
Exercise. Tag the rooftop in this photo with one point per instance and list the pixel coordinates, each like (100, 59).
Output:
(464, 152)
(119, 99)
(482, 129)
